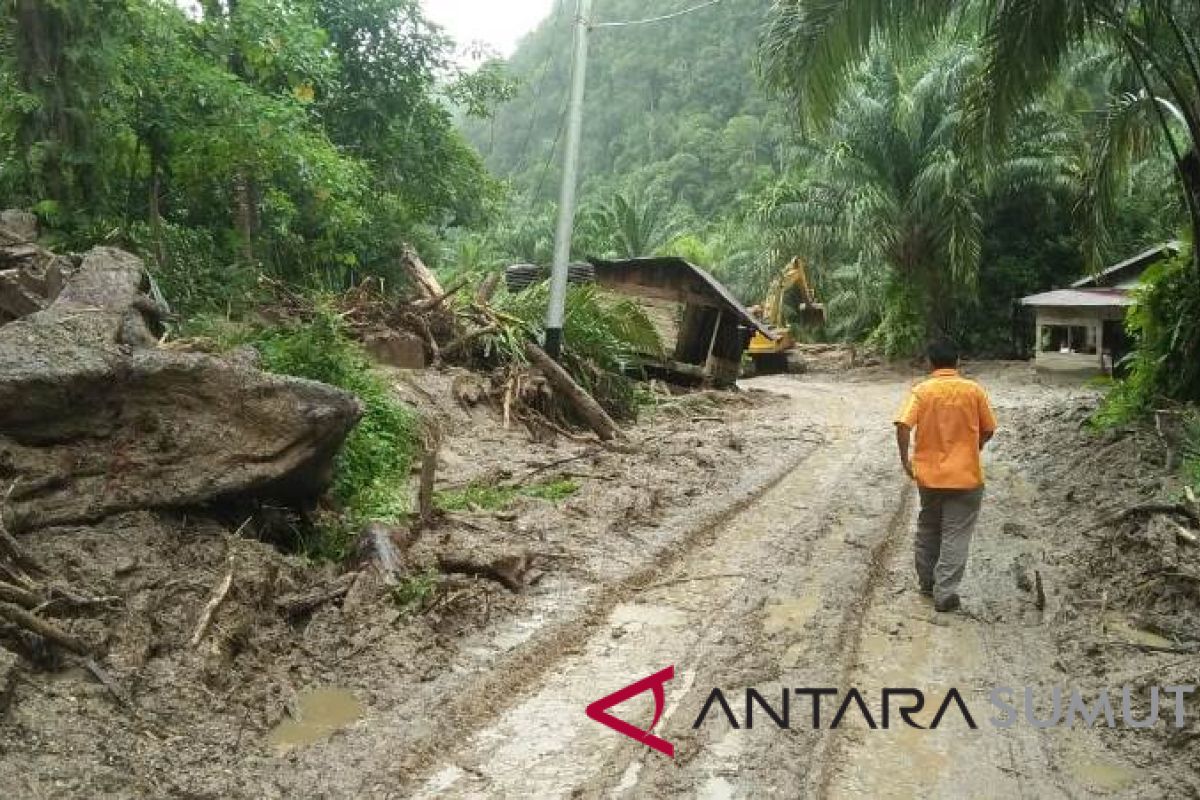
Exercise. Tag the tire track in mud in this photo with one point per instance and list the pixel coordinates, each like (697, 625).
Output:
(850, 635)
(515, 674)
(765, 557)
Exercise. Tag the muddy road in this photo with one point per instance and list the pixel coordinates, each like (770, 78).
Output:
(759, 540)
(808, 585)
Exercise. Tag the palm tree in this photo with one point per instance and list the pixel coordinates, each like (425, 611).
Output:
(812, 48)
(891, 199)
(631, 227)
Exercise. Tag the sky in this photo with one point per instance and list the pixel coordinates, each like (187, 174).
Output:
(495, 23)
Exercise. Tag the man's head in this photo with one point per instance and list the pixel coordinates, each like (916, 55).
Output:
(942, 354)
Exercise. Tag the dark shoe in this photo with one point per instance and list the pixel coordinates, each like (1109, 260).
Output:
(927, 591)
(948, 603)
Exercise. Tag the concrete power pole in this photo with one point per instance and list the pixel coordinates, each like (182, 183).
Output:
(566, 198)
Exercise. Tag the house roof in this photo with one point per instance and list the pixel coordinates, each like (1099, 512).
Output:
(1126, 273)
(1080, 298)
(656, 271)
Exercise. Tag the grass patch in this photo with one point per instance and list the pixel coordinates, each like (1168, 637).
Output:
(372, 469)
(485, 497)
(414, 591)
(1191, 453)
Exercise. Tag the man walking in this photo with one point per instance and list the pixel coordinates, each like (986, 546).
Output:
(953, 421)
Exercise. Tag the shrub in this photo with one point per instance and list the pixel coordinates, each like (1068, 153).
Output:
(603, 336)
(1165, 320)
(371, 472)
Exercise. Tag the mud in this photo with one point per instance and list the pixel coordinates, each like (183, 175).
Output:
(756, 540)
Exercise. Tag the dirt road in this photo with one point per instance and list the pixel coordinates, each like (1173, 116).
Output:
(807, 586)
(789, 570)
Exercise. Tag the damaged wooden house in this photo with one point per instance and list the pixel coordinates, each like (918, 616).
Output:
(704, 329)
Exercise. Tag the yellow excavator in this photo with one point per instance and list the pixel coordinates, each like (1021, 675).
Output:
(791, 286)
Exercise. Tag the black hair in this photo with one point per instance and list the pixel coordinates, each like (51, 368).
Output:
(943, 354)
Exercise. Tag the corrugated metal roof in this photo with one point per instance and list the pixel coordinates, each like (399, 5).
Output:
(1114, 273)
(1080, 298)
(717, 288)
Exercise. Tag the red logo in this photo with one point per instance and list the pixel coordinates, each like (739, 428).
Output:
(654, 683)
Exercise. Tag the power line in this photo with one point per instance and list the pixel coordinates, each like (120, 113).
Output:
(523, 160)
(663, 18)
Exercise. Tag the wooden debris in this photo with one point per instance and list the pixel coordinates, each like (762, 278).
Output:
(1184, 534)
(19, 595)
(466, 339)
(595, 416)
(218, 596)
(106, 680)
(41, 627)
(301, 604)
(487, 289)
(429, 304)
(422, 278)
(425, 491)
(511, 572)
(1145, 509)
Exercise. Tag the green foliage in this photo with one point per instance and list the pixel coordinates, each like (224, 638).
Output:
(490, 497)
(604, 335)
(371, 474)
(194, 276)
(307, 139)
(673, 110)
(1166, 322)
(1191, 453)
(413, 591)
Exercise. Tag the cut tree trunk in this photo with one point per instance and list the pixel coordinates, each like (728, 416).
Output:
(595, 416)
(420, 276)
(95, 419)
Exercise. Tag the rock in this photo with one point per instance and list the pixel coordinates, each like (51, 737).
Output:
(30, 276)
(95, 419)
(18, 225)
(398, 349)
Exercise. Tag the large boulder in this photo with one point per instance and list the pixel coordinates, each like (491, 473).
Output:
(96, 419)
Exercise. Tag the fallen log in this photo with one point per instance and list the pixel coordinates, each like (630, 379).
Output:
(432, 303)
(298, 605)
(421, 277)
(595, 416)
(511, 572)
(96, 419)
(22, 618)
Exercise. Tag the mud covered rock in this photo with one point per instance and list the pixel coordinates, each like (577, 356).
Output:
(95, 419)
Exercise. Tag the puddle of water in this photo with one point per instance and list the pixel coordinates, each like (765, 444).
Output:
(1122, 630)
(1104, 775)
(321, 712)
(791, 614)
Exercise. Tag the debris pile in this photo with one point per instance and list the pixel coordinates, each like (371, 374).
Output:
(440, 327)
(1136, 527)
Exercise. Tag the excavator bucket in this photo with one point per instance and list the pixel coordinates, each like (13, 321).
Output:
(812, 315)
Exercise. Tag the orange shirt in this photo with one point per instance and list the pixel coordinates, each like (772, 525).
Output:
(949, 413)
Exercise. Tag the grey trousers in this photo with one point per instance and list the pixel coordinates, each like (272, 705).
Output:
(944, 529)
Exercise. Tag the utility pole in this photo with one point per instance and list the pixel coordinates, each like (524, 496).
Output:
(566, 198)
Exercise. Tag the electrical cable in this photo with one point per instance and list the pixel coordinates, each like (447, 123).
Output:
(663, 18)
